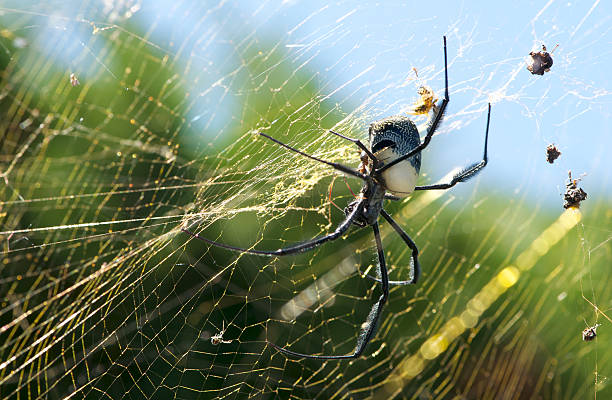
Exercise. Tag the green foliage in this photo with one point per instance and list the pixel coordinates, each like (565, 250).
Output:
(104, 296)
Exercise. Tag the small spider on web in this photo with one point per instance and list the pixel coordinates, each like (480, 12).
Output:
(74, 81)
(218, 338)
(389, 170)
(590, 333)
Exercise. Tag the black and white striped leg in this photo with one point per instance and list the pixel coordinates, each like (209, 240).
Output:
(467, 172)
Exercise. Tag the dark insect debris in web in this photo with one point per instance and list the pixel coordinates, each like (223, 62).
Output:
(552, 153)
(590, 333)
(573, 194)
(541, 61)
(426, 102)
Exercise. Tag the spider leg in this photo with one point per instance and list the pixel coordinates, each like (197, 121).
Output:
(465, 173)
(297, 248)
(432, 126)
(371, 323)
(391, 197)
(339, 167)
(359, 144)
(416, 267)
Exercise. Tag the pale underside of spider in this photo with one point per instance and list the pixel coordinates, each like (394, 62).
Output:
(390, 168)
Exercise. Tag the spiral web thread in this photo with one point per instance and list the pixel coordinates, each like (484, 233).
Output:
(104, 296)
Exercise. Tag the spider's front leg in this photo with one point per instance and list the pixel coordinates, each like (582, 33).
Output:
(336, 166)
(467, 172)
(367, 154)
(431, 129)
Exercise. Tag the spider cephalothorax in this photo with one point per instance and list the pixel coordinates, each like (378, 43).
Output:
(389, 170)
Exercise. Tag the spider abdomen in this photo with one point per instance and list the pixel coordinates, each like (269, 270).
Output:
(400, 179)
(391, 138)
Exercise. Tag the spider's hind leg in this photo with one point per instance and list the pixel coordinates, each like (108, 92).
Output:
(416, 267)
(371, 323)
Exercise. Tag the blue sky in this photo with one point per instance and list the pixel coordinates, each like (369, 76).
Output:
(363, 53)
(487, 47)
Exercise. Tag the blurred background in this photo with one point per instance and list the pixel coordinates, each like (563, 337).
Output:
(124, 121)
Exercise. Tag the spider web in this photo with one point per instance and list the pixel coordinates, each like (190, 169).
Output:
(124, 121)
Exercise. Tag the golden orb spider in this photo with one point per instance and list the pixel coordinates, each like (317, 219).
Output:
(391, 164)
